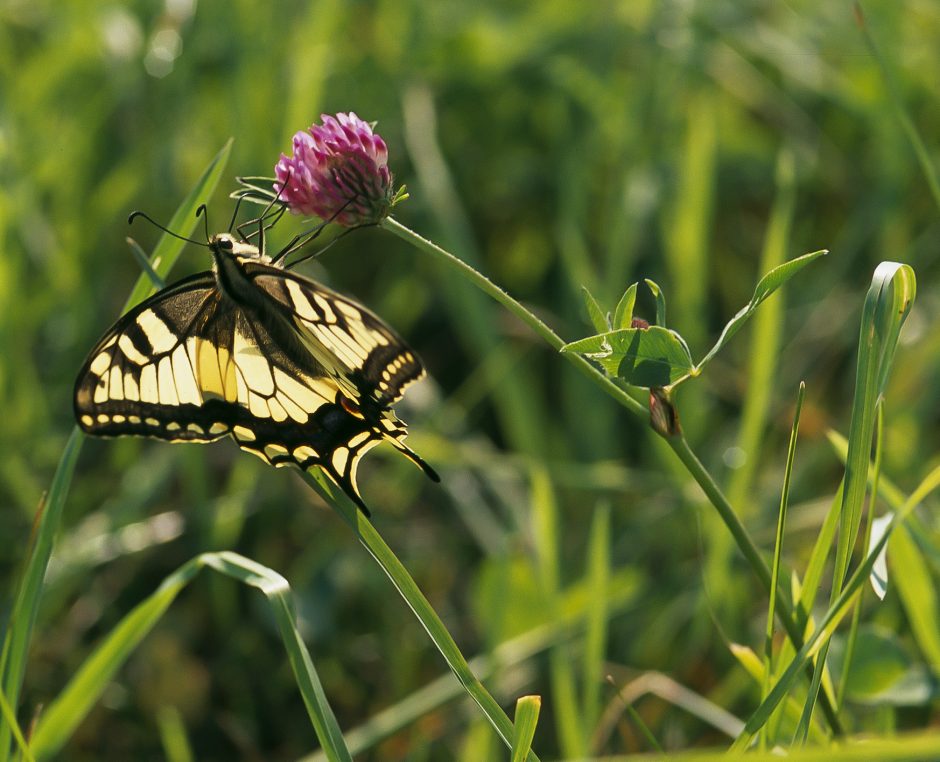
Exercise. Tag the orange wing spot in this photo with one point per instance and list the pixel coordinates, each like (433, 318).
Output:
(349, 406)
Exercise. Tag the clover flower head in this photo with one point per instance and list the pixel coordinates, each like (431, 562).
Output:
(338, 171)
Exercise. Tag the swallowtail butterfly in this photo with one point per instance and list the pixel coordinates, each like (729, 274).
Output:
(295, 373)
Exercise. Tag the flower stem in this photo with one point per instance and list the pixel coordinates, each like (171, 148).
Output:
(488, 287)
(678, 444)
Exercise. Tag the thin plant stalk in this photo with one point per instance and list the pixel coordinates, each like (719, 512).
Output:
(678, 443)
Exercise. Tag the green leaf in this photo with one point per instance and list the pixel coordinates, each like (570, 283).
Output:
(527, 717)
(653, 356)
(660, 302)
(765, 287)
(595, 313)
(623, 314)
(144, 262)
(878, 662)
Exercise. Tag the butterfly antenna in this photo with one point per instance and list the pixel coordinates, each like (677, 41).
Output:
(134, 215)
(318, 252)
(201, 212)
(231, 224)
(273, 221)
(302, 239)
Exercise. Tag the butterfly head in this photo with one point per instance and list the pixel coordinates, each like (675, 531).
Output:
(227, 246)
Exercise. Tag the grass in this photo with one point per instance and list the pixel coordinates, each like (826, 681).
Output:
(573, 552)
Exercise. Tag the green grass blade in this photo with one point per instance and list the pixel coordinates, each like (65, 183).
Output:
(176, 746)
(567, 714)
(778, 543)
(9, 717)
(887, 305)
(513, 652)
(17, 637)
(836, 613)
(857, 613)
(527, 718)
(29, 592)
(75, 701)
(144, 262)
(595, 641)
(687, 224)
(817, 559)
(863, 748)
(408, 589)
(183, 222)
(277, 590)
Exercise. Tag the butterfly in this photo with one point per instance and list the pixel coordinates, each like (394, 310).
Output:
(294, 372)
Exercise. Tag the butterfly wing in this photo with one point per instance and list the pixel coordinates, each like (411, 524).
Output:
(140, 378)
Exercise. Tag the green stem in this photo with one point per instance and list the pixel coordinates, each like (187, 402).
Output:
(491, 289)
(678, 444)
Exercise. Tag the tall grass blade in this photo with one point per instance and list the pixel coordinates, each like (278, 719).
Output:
(836, 613)
(9, 718)
(176, 746)
(879, 562)
(887, 305)
(567, 712)
(778, 543)
(764, 340)
(72, 705)
(527, 718)
(506, 655)
(29, 591)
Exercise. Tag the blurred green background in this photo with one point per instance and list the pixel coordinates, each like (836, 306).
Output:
(553, 145)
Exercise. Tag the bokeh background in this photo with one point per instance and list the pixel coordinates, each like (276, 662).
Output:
(552, 145)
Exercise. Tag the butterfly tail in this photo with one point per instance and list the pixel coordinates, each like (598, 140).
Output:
(346, 481)
(415, 458)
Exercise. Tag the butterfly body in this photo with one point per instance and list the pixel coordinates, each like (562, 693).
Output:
(297, 374)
